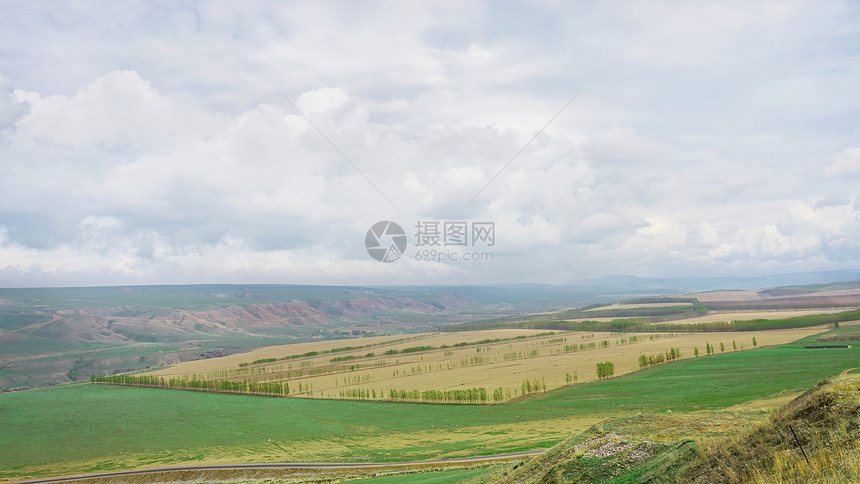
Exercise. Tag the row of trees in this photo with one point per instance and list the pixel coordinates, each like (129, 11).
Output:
(469, 395)
(533, 386)
(321, 352)
(605, 370)
(711, 349)
(465, 396)
(225, 386)
(650, 360)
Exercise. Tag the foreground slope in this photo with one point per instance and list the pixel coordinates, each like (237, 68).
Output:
(825, 421)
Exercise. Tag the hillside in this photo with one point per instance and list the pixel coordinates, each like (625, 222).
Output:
(59, 335)
(826, 421)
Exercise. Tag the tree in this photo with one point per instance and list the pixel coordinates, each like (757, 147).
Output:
(755, 344)
(605, 370)
(696, 351)
(734, 345)
(722, 348)
(835, 325)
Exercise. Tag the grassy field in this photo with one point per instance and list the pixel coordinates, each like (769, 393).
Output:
(435, 477)
(640, 305)
(545, 360)
(58, 430)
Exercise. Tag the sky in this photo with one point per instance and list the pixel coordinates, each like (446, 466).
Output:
(257, 142)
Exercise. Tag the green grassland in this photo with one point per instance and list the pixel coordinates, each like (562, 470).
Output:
(824, 420)
(93, 428)
(433, 477)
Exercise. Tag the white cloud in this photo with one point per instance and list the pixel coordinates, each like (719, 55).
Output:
(846, 164)
(708, 234)
(11, 108)
(164, 150)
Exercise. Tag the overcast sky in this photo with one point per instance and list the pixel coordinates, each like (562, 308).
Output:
(155, 142)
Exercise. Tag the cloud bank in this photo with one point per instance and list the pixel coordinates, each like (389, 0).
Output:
(157, 143)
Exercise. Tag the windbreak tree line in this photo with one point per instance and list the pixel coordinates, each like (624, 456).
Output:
(225, 386)
(605, 370)
(650, 360)
(466, 396)
(469, 395)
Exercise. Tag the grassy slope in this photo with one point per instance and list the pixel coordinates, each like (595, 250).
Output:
(435, 477)
(104, 423)
(826, 420)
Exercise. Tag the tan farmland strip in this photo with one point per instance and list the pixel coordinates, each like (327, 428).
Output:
(410, 340)
(734, 296)
(537, 359)
(642, 305)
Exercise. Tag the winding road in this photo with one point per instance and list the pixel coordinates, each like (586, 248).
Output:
(296, 465)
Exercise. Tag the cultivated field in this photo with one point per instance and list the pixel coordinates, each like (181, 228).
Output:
(640, 305)
(733, 296)
(816, 295)
(736, 315)
(507, 364)
(715, 316)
